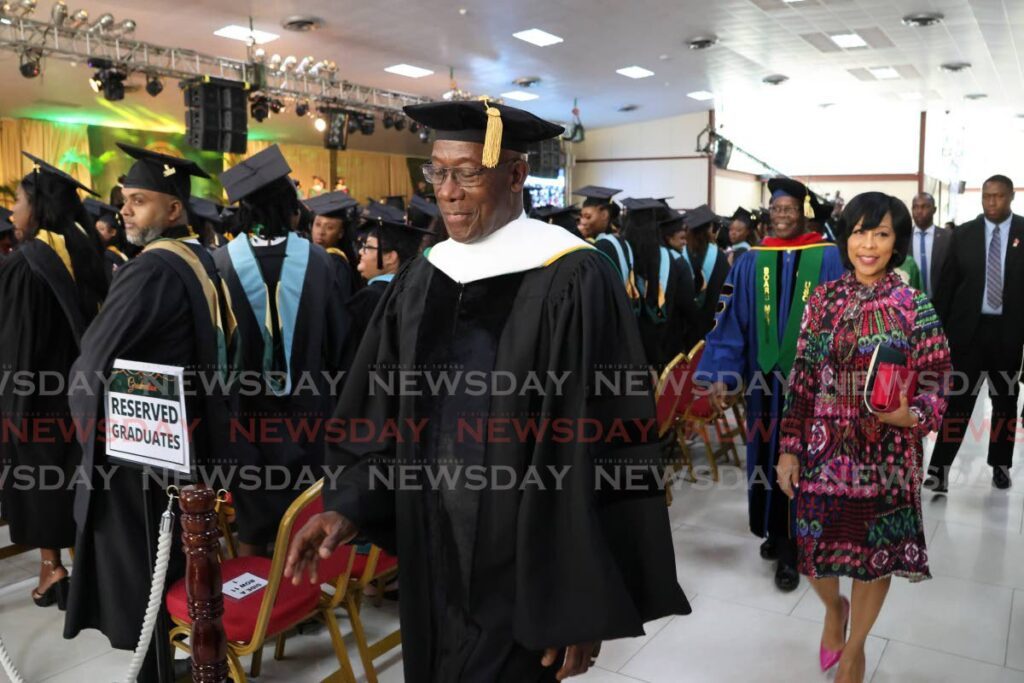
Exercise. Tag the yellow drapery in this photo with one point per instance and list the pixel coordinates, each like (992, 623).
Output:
(65, 145)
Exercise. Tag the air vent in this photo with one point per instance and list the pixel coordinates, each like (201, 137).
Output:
(775, 79)
(955, 67)
(702, 42)
(975, 96)
(629, 107)
(921, 19)
(302, 23)
(527, 81)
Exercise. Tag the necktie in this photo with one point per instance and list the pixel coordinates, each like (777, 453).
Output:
(924, 263)
(994, 273)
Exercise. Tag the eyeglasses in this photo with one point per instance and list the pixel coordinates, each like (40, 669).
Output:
(784, 211)
(366, 247)
(464, 176)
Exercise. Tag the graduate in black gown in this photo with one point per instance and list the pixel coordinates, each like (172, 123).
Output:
(206, 215)
(291, 329)
(163, 307)
(667, 315)
(673, 232)
(334, 216)
(565, 217)
(385, 244)
(707, 263)
(501, 583)
(110, 228)
(50, 290)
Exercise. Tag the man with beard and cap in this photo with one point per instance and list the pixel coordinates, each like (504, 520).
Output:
(707, 263)
(667, 314)
(163, 307)
(491, 575)
(753, 345)
(291, 331)
(50, 289)
(334, 216)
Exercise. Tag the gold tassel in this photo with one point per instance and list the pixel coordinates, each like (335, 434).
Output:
(808, 209)
(492, 137)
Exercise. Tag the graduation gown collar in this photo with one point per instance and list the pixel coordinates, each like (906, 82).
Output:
(523, 244)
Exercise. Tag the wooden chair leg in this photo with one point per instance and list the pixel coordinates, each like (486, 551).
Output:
(257, 663)
(344, 674)
(706, 438)
(352, 605)
(279, 647)
(668, 486)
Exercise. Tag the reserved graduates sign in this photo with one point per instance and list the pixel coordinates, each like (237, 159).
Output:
(146, 421)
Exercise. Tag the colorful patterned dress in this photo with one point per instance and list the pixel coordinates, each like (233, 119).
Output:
(859, 501)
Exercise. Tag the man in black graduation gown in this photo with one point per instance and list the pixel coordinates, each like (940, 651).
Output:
(163, 307)
(502, 583)
(333, 216)
(291, 331)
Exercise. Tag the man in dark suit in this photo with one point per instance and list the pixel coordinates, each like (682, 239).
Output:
(930, 242)
(983, 271)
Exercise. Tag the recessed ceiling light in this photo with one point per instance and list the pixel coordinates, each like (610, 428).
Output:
(302, 23)
(827, 105)
(955, 67)
(884, 73)
(975, 96)
(663, 58)
(463, 11)
(527, 81)
(408, 70)
(629, 107)
(775, 79)
(702, 42)
(635, 72)
(921, 19)
(700, 95)
(519, 96)
(848, 41)
(236, 32)
(537, 37)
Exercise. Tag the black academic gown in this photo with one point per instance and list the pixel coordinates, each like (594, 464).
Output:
(345, 275)
(680, 326)
(44, 317)
(709, 292)
(155, 312)
(361, 306)
(491, 578)
(320, 332)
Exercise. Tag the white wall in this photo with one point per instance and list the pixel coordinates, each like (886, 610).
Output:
(643, 160)
(733, 190)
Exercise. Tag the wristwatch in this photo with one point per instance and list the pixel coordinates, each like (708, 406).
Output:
(916, 412)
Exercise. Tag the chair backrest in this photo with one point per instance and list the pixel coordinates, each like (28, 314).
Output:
(697, 401)
(334, 570)
(668, 394)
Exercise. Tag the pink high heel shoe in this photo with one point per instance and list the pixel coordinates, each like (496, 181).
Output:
(830, 658)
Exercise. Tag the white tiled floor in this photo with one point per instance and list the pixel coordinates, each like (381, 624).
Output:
(966, 625)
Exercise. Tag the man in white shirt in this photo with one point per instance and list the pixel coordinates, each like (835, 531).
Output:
(930, 243)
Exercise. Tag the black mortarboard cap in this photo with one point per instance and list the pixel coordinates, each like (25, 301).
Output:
(391, 233)
(496, 126)
(335, 204)
(100, 211)
(821, 209)
(205, 209)
(377, 211)
(596, 195)
(698, 218)
(395, 200)
(672, 221)
(422, 212)
(160, 172)
(254, 173)
(741, 214)
(791, 188)
(642, 204)
(56, 174)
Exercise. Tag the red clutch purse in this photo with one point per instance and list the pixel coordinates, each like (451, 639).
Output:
(888, 379)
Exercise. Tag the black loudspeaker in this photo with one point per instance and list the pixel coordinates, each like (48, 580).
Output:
(546, 158)
(723, 152)
(336, 135)
(217, 117)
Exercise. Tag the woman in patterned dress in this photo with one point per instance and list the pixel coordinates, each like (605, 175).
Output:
(857, 474)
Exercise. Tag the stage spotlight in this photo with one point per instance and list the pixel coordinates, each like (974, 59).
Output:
(154, 86)
(425, 134)
(367, 123)
(388, 120)
(103, 23)
(301, 108)
(320, 124)
(414, 127)
(399, 122)
(353, 122)
(29, 64)
(113, 85)
(276, 106)
(259, 108)
(59, 13)
(78, 19)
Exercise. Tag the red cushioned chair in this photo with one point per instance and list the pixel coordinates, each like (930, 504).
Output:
(250, 622)
(683, 406)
